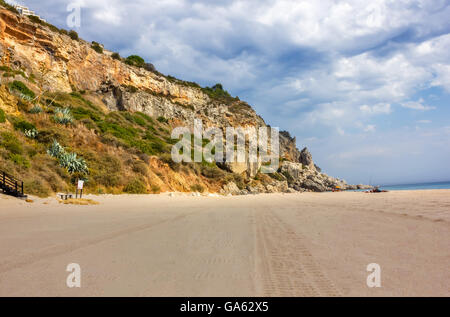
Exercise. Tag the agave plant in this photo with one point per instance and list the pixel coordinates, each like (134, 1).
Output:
(36, 109)
(70, 161)
(25, 97)
(32, 133)
(73, 164)
(63, 116)
(56, 150)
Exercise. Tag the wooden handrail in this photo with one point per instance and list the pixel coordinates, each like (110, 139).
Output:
(10, 184)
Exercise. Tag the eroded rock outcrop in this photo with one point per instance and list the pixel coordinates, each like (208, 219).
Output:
(302, 177)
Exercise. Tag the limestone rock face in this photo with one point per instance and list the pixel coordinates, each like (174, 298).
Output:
(277, 187)
(306, 159)
(314, 185)
(7, 102)
(304, 177)
(250, 169)
(74, 65)
(256, 189)
(295, 170)
(230, 188)
(288, 146)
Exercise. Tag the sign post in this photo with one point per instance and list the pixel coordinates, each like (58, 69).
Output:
(80, 188)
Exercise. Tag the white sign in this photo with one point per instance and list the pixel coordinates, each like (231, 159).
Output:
(80, 184)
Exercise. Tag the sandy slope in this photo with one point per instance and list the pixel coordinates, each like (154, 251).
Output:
(271, 245)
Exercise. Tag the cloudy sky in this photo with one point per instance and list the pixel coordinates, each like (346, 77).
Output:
(364, 84)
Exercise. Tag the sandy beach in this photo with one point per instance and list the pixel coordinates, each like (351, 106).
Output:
(310, 244)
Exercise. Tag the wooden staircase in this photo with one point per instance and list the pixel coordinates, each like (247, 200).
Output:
(11, 186)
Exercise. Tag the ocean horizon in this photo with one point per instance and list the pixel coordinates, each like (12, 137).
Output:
(418, 186)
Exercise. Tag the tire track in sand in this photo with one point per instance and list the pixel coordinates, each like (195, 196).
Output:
(22, 260)
(285, 265)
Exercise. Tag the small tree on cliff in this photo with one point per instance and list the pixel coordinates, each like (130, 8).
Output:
(73, 35)
(135, 60)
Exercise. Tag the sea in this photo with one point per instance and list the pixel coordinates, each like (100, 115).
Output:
(419, 186)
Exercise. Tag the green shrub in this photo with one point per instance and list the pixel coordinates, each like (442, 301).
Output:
(217, 92)
(115, 56)
(197, 188)
(119, 131)
(212, 172)
(35, 19)
(135, 60)
(136, 186)
(20, 160)
(97, 47)
(162, 120)
(80, 113)
(8, 6)
(36, 187)
(47, 136)
(145, 117)
(23, 125)
(155, 189)
(2, 116)
(9, 72)
(10, 143)
(73, 35)
(139, 120)
(140, 168)
(22, 89)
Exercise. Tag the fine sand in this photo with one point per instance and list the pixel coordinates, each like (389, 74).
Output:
(310, 244)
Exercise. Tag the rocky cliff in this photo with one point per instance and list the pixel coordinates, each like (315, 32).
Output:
(72, 65)
(53, 62)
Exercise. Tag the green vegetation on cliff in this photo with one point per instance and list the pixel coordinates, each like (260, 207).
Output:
(111, 150)
(135, 60)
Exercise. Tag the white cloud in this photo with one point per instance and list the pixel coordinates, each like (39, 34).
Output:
(340, 131)
(424, 121)
(370, 128)
(417, 105)
(442, 79)
(365, 152)
(380, 108)
(110, 16)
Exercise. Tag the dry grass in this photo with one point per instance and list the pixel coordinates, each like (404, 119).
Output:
(79, 201)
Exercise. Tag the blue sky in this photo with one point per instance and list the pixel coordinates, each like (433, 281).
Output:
(364, 84)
